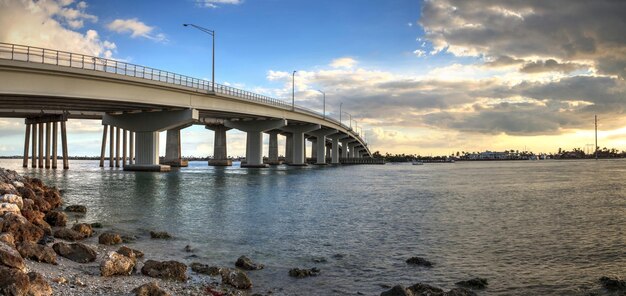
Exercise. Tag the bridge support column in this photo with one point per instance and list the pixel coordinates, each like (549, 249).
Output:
(335, 147)
(124, 146)
(313, 147)
(273, 152)
(321, 144)
(34, 158)
(66, 161)
(104, 144)
(55, 137)
(220, 148)
(345, 144)
(40, 155)
(173, 156)
(352, 152)
(254, 138)
(288, 148)
(146, 126)
(298, 147)
(48, 131)
(26, 144)
(117, 147)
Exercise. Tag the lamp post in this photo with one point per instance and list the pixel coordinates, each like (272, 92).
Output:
(212, 33)
(293, 91)
(324, 102)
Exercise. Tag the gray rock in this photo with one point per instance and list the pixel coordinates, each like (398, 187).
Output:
(397, 290)
(150, 289)
(245, 263)
(205, 269)
(55, 218)
(37, 252)
(76, 252)
(110, 238)
(475, 283)
(236, 278)
(68, 234)
(11, 258)
(165, 270)
(613, 284)
(419, 261)
(116, 264)
(76, 209)
(302, 273)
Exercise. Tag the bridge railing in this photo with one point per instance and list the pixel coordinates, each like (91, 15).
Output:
(40, 55)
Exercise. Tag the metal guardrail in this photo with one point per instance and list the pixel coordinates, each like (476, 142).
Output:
(59, 58)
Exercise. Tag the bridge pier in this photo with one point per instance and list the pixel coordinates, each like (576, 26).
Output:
(173, 155)
(335, 147)
(288, 148)
(220, 152)
(42, 131)
(352, 152)
(273, 148)
(313, 141)
(146, 126)
(298, 145)
(254, 138)
(321, 144)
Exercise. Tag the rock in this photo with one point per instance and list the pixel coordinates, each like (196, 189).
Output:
(419, 261)
(398, 290)
(475, 283)
(236, 278)
(37, 218)
(12, 198)
(130, 253)
(56, 218)
(76, 209)
(96, 225)
(26, 193)
(613, 284)
(245, 263)
(8, 239)
(76, 252)
(205, 269)
(6, 207)
(20, 228)
(46, 239)
(127, 238)
(38, 285)
(10, 257)
(13, 282)
(17, 184)
(188, 249)
(79, 282)
(60, 280)
(41, 204)
(160, 235)
(301, 273)
(28, 204)
(53, 196)
(37, 252)
(165, 270)
(420, 289)
(6, 188)
(110, 238)
(150, 289)
(116, 264)
(68, 234)
(84, 229)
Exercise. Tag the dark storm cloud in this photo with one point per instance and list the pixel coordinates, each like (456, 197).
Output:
(570, 30)
(550, 65)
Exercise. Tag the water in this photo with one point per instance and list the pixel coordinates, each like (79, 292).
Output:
(529, 227)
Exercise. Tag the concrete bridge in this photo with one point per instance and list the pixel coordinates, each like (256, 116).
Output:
(135, 103)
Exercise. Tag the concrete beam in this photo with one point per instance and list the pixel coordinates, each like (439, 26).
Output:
(152, 121)
(297, 132)
(254, 138)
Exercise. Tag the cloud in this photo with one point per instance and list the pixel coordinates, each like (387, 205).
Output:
(217, 3)
(550, 66)
(136, 29)
(49, 24)
(345, 62)
(568, 31)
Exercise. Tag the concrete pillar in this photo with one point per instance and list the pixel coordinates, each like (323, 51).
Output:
(131, 147)
(288, 148)
(66, 161)
(273, 152)
(40, 162)
(313, 147)
(104, 143)
(26, 145)
(146, 126)
(117, 147)
(352, 152)
(124, 146)
(34, 157)
(220, 149)
(321, 144)
(173, 154)
(345, 142)
(254, 138)
(111, 146)
(298, 146)
(55, 138)
(327, 150)
(48, 131)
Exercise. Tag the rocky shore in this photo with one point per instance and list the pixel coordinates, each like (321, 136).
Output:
(43, 253)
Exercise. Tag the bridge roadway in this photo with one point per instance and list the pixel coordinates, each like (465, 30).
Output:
(135, 103)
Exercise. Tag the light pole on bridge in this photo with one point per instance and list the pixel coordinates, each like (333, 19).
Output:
(212, 33)
(293, 91)
(323, 102)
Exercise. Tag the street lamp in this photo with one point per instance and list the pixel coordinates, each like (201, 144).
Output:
(324, 102)
(293, 91)
(212, 33)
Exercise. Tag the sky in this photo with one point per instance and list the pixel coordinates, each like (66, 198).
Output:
(420, 77)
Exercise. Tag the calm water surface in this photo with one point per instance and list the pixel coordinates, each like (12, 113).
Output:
(529, 227)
